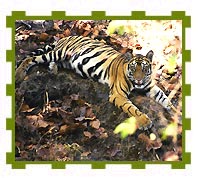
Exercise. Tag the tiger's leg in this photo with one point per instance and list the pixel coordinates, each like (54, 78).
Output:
(157, 94)
(127, 106)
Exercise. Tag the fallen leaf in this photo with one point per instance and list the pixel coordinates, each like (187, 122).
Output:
(173, 80)
(67, 32)
(42, 124)
(63, 129)
(32, 111)
(87, 134)
(43, 37)
(85, 154)
(168, 49)
(24, 108)
(64, 114)
(89, 113)
(75, 126)
(95, 124)
(170, 156)
(95, 33)
(86, 26)
(150, 144)
(32, 117)
(56, 26)
(101, 130)
(86, 33)
(103, 135)
(79, 118)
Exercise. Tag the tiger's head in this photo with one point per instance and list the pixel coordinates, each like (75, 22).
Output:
(139, 70)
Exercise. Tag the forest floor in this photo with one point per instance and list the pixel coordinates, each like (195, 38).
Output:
(64, 117)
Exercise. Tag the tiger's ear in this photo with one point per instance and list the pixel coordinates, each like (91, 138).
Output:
(149, 55)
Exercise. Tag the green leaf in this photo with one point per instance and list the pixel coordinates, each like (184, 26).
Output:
(170, 130)
(171, 64)
(128, 127)
(120, 26)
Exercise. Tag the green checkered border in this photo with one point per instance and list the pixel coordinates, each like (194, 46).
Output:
(97, 15)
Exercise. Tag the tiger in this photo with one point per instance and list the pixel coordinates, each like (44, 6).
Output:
(100, 62)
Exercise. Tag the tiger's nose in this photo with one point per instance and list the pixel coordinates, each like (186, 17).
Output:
(138, 81)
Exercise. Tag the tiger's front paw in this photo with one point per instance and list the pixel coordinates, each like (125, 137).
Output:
(144, 122)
